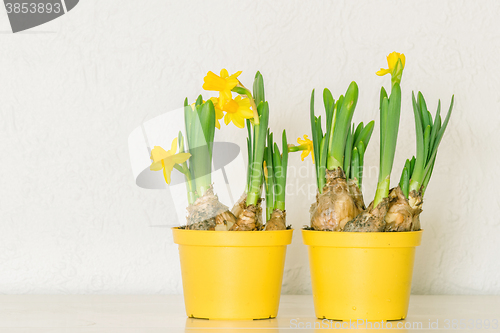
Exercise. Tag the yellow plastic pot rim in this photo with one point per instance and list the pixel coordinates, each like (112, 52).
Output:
(232, 238)
(362, 239)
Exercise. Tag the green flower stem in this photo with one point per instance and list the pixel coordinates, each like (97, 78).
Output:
(190, 186)
(259, 136)
(293, 149)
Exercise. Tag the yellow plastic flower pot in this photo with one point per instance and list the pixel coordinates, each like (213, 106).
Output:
(361, 275)
(232, 274)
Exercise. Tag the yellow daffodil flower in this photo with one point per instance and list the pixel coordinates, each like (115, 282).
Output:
(223, 84)
(306, 146)
(237, 110)
(392, 60)
(218, 111)
(166, 160)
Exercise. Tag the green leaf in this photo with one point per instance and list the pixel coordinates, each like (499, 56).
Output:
(342, 127)
(322, 165)
(260, 133)
(365, 134)
(277, 163)
(284, 159)
(269, 183)
(418, 171)
(357, 132)
(435, 128)
(356, 165)
(199, 101)
(315, 139)
(391, 132)
(258, 89)
(347, 155)
(319, 128)
(329, 104)
(361, 151)
(384, 109)
(404, 182)
(427, 138)
(440, 135)
(383, 94)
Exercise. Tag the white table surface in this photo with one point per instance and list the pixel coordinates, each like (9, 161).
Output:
(165, 313)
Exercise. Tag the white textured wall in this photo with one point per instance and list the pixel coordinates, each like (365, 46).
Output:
(72, 219)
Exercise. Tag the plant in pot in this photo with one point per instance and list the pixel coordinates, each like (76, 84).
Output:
(221, 268)
(361, 258)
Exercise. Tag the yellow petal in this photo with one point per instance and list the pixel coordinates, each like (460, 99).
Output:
(301, 141)
(383, 72)
(247, 114)
(392, 59)
(403, 59)
(156, 166)
(304, 154)
(180, 158)
(227, 120)
(166, 175)
(168, 166)
(223, 73)
(224, 97)
(235, 75)
(158, 154)
(173, 148)
(231, 106)
(213, 82)
(238, 120)
(242, 102)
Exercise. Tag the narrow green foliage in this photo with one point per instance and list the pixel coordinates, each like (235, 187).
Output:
(342, 127)
(428, 134)
(348, 153)
(284, 166)
(412, 165)
(389, 126)
(427, 139)
(258, 89)
(249, 154)
(278, 187)
(269, 178)
(200, 132)
(365, 134)
(329, 105)
(259, 136)
(404, 182)
(356, 165)
(190, 183)
(322, 167)
(337, 106)
(357, 140)
(358, 174)
(428, 175)
(357, 132)
(276, 167)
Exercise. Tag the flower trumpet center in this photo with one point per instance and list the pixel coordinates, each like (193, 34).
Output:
(231, 106)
